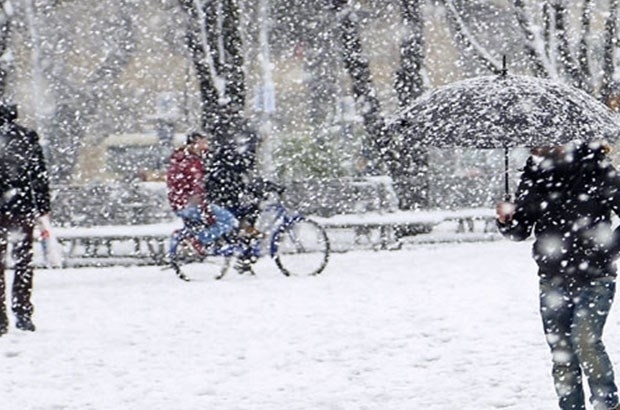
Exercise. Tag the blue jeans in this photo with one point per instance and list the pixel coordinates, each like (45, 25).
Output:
(574, 314)
(224, 222)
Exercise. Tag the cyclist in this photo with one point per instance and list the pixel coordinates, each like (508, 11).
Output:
(185, 180)
(230, 183)
(228, 180)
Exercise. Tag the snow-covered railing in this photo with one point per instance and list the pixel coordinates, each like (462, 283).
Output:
(147, 244)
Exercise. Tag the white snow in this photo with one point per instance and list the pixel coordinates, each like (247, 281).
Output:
(433, 327)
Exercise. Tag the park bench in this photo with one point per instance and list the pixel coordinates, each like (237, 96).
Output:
(390, 226)
(123, 245)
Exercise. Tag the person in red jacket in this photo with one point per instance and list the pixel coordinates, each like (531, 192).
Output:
(185, 180)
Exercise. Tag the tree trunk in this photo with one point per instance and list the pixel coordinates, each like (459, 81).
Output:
(610, 44)
(566, 59)
(198, 37)
(233, 47)
(533, 53)
(409, 79)
(376, 147)
(582, 57)
(215, 47)
(5, 36)
(407, 167)
(411, 176)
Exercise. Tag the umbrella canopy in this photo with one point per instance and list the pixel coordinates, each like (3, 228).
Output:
(505, 111)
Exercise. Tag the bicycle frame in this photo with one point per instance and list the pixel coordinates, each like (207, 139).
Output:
(280, 221)
(285, 243)
(286, 219)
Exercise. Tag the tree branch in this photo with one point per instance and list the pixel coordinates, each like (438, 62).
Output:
(534, 54)
(565, 56)
(468, 39)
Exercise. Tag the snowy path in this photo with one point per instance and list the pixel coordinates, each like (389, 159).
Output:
(437, 327)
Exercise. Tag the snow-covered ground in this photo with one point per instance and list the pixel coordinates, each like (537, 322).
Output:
(443, 326)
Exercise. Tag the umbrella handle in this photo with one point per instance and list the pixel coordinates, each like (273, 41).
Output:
(506, 175)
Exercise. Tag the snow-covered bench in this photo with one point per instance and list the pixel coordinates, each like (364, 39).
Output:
(129, 244)
(391, 225)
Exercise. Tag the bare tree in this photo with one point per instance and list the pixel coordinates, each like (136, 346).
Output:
(67, 105)
(409, 79)
(410, 177)
(6, 58)
(78, 106)
(610, 45)
(547, 41)
(215, 46)
(364, 91)
(406, 165)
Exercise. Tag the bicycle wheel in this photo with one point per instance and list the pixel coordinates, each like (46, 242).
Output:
(301, 248)
(190, 258)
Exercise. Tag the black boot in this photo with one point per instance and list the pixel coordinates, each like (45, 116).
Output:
(4, 324)
(243, 266)
(25, 323)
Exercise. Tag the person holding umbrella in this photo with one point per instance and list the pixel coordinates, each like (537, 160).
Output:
(566, 196)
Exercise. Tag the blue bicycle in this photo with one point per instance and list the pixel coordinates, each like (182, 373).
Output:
(298, 245)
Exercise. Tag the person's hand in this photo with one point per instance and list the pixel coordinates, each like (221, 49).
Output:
(45, 224)
(504, 211)
(207, 214)
(194, 200)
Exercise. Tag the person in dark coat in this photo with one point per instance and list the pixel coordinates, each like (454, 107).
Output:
(229, 182)
(566, 196)
(24, 197)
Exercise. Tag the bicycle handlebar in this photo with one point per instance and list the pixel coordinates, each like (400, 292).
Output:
(262, 187)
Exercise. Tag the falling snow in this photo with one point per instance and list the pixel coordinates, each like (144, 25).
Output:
(362, 109)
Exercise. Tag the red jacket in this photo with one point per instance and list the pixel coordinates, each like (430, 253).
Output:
(185, 179)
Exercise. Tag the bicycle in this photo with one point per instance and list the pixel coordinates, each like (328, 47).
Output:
(298, 245)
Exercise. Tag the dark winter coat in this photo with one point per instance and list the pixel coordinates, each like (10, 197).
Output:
(24, 185)
(228, 181)
(568, 203)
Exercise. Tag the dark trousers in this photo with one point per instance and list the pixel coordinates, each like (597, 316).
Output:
(23, 232)
(248, 213)
(574, 314)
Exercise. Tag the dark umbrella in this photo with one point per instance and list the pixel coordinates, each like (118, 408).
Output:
(505, 111)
